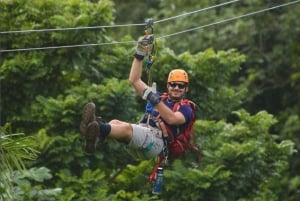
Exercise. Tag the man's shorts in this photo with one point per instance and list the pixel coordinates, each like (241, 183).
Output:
(146, 142)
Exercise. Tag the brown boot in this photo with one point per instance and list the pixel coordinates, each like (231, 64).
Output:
(92, 137)
(88, 116)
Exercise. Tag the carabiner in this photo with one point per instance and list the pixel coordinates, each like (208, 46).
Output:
(149, 27)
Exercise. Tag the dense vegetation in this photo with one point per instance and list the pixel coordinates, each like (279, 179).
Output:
(244, 77)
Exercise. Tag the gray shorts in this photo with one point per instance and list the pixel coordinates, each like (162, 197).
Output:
(146, 142)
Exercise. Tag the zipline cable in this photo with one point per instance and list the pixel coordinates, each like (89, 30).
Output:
(71, 28)
(66, 46)
(116, 26)
(161, 37)
(197, 11)
(230, 19)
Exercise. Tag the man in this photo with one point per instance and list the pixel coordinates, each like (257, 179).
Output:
(145, 139)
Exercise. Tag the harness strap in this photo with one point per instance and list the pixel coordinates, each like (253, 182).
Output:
(163, 127)
(153, 174)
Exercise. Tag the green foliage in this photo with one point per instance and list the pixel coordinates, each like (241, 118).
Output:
(16, 181)
(215, 70)
(42, 94)
(65, 138)
(15, 148)
(241, 161)
(210, 73)
(89, 186)
(130, 182)
(31, 71)
(28, 185)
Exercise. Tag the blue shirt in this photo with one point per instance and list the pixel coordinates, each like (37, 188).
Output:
(185, 109)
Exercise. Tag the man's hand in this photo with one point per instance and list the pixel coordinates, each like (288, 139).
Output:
(151, 96)
(144, 47)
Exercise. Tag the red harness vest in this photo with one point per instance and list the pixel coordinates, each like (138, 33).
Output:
(179, 144)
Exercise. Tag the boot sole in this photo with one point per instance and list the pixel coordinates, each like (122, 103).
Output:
(88, 115)
(91, 137)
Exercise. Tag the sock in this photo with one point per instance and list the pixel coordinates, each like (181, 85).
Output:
(105, 129)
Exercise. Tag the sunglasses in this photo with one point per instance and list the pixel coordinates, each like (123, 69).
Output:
(180, 85)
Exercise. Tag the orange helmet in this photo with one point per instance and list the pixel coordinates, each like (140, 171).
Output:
(178, 75)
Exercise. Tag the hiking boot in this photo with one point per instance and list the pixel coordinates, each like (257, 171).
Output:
(88, 116)
(91, 137)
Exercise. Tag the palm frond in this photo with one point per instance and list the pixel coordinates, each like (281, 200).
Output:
(15, 148)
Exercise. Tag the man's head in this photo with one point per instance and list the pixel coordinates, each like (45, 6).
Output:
(177, 84)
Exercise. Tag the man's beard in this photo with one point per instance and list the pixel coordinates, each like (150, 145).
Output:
(175, 99)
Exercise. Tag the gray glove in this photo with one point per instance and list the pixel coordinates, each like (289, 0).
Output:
(150, 95)
(144, 47)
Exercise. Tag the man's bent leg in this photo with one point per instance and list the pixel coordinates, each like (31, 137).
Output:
(121, 131)
(97, 131)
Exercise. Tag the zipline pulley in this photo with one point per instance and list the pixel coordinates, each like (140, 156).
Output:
(149, 30)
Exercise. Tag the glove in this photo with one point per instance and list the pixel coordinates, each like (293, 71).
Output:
(144, 47)
(151, 96)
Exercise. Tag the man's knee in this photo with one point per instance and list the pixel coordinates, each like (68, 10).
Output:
(124, 126)
(115, 121)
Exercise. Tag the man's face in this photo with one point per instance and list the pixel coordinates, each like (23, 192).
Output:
(176, 90)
